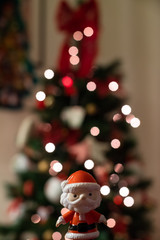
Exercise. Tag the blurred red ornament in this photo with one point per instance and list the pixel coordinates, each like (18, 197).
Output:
(118, 200)
(102, 87)
(28, 188)
(40, 105)
(73, 137)
(56, 134)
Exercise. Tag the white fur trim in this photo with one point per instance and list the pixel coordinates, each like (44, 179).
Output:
(63, 184)
(83, 185)
(90, 235)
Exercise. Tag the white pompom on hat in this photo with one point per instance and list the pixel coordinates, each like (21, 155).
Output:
(80, 180)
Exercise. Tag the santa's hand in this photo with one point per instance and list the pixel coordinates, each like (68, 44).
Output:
(60, 221)
(103, 220)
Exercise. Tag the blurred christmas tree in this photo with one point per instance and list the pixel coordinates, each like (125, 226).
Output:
(82, 122)
(16, 70)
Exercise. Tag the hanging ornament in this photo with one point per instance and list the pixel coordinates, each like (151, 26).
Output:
(80, 151)
(89, 148)
(73, 116)
(56, 134)
(28, 188)
(16, 209)
(97, 149)
(21, 163)
(52, 189)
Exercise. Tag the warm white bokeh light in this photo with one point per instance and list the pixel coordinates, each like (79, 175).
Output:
(113, 86)
(118, 168)
(129, 118)
(73, 51)
(78, 36)
(111, 223)
(57, 167)
(56, 236)
(124, 191)
(128, 201)
(50, 147)
(40, 96)
(74, 60)
(89, 164)
(88, 31)
(115, 143)
(105, 190)
(126, 109)
(91, 86)
(49, 74)
(135, 122)
(94, 131)
(117, 117)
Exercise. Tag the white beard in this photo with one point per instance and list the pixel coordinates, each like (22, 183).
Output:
(79, 205)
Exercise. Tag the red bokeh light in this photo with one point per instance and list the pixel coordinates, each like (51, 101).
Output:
(67, 81)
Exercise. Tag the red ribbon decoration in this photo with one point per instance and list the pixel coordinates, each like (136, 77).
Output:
(70, 21)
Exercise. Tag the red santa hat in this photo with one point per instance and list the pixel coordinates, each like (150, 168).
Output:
(80, 180)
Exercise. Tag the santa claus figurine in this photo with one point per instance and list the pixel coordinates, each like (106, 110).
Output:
(81, 195)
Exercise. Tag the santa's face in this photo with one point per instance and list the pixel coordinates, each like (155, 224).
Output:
(81, 200)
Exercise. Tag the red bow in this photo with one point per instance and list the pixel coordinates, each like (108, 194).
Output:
(70, 21)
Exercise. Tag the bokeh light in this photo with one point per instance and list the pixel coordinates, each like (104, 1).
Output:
(74, 60)
(49, 147)
(67, 81)
(78, 36)
(88, 31)
(94, 131)
(91, 86)
(57, 167)
(35, 218)
(124, 191)
(128, 201)
(113, 86)
(73, 51)
(126, 109)
(56, 236)
(40, 96)
(118, 168)
(115, 143)
(129, 118)
(117, 117)
(89, 164)
(49, 74)
(105, 190)
(111, 223)
(114, 178)
(135, 122)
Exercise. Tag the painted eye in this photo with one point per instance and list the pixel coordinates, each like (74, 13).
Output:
(90, 194)
(75, 195)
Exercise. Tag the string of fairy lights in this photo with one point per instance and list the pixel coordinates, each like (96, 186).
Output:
(123, 196)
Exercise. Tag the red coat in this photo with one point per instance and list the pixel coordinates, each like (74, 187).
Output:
(74, 218)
